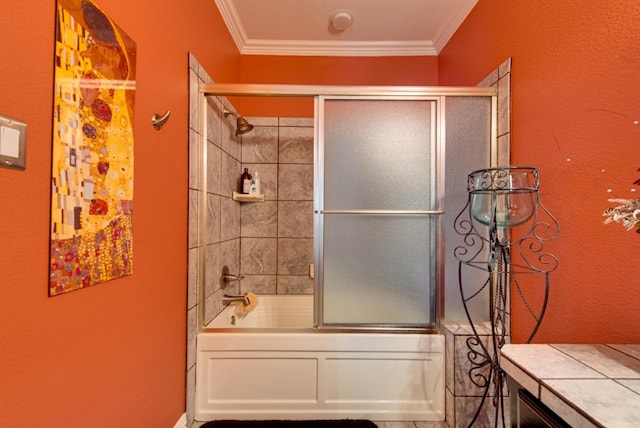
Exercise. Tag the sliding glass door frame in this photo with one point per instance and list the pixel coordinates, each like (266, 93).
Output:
(499, 153)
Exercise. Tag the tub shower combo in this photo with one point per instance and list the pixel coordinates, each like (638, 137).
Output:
(368, 342)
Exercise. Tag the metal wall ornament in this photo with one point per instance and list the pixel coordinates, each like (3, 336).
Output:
(504, 227)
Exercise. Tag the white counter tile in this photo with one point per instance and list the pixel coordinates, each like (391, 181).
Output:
(604, 359)
(605, 400)
(546, 362)
(573, 416)
(632, 384)
(523, 378)
(586, 385)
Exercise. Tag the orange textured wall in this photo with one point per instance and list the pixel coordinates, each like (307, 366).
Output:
(112, 355)
(575, 103)
(397, 71)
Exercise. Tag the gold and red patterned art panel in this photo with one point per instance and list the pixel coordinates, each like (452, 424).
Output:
(92, 165)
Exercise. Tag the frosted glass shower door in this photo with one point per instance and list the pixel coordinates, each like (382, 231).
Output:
(376, 211)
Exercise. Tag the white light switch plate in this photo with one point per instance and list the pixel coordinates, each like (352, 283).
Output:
(13, 142)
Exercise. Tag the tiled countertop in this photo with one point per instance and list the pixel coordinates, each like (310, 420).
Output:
(586, 385)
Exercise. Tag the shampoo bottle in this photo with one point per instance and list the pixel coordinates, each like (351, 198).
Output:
(245, 181)
(254, 189)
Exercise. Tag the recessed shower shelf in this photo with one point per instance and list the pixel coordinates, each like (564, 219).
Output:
(243, 197)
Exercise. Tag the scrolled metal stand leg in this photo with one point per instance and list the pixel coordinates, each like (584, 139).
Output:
(498, 195)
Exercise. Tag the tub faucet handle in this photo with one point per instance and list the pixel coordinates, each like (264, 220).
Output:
(232, 278)
(227, 277)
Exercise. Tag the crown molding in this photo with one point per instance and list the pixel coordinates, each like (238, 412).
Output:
(335, 48)
(232, 20)
(248, 46)
(447, 31)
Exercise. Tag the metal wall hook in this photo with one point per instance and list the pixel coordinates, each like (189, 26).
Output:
(158, 120)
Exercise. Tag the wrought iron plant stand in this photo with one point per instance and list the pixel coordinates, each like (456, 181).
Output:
(504, 227)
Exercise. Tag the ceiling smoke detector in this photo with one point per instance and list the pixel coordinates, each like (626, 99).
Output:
(341, 20)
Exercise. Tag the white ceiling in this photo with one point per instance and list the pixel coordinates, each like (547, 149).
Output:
(378, 27)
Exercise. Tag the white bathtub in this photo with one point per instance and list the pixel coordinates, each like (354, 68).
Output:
(273, 311)
(272, 364)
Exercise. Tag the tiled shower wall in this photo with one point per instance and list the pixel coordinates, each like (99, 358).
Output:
(276, 236)
(269, 242)
(221, 238)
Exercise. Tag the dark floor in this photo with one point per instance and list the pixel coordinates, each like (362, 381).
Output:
(386, 424)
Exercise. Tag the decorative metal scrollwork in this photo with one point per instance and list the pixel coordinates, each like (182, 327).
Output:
(504, 227)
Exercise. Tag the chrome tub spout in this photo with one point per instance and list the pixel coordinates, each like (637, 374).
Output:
(228, 299)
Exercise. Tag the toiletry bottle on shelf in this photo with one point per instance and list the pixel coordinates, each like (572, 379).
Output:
(254, 189)
(245, 181)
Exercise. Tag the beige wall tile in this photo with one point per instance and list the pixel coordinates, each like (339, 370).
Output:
(260, 145)
(294, 256)
(295, 182)
(259, 220)
(296, 145)
(289, 284)
(258, 256)
(295, 219)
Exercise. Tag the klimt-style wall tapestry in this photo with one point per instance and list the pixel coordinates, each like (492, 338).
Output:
(92, 165)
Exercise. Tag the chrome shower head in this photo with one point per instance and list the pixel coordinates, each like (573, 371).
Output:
(242, 125)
